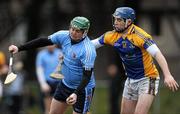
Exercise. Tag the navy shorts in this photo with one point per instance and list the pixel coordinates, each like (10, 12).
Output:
(53, 87)
(83, 99)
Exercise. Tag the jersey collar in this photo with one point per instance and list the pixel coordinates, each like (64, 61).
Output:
(131, 29)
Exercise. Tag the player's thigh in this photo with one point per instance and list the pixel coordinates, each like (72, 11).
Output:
(57, 107)
(130, 97)
(128, 106)
(148, 88)
(144, 103)
(58, 104)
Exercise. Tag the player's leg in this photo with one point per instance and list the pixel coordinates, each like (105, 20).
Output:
(57, 107)
(148, 88)
(128, 106)
(130, 97)
(144, 104)
(83, 103)
(58, 104)
(49, 96)
(47, 103)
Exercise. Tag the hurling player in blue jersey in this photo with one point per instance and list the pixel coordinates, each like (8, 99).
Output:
(46, 61)
(77, 87)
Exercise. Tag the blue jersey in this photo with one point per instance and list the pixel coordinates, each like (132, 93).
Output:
(48, 61)
(76, 57)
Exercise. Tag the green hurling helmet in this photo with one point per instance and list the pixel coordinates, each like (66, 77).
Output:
(80, 23)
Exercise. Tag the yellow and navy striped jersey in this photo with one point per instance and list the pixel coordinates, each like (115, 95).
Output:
(132, 47)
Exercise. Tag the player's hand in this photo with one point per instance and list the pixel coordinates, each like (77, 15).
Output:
(171, 83)
(13, 49)
(71, 99)
(45, 88)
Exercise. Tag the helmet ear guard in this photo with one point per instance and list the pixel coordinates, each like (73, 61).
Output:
(127, 22)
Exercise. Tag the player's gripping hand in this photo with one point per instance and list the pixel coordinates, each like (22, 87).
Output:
(13, 49)
(71, 99)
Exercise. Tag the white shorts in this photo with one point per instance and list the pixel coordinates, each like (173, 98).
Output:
(134, 87)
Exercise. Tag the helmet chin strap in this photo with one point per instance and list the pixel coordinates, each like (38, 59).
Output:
(126, 24)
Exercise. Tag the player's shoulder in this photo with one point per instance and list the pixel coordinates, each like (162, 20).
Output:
(42, 52)
(88, 45)
(60, 37)
(41, 55)
(110, 33)
(63, 32)
(87, 42)
(141, 33)
(110, 36)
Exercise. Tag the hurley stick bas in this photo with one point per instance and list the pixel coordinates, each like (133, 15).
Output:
(11, 76)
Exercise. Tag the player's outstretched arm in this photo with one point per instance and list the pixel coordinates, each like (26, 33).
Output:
(168, 78)
(96, 43)
(36, 43)
(45, 88)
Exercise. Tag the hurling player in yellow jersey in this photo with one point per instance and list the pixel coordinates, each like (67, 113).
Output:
(137, 50)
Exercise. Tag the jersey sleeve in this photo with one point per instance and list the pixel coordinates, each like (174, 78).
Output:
(148, 42)
(104, 39)
(88, 58)
(145, 41)
(96, 43)
(57, 38)
(109, 38)
(153, 49)
(101, 39)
